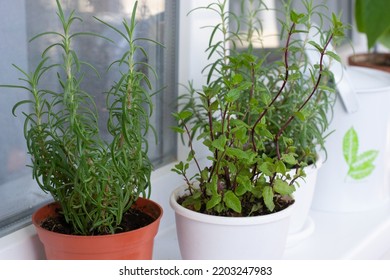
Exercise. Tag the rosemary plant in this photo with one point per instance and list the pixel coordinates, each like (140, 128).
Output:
(95, 182)
(309, 129)
(236, 113)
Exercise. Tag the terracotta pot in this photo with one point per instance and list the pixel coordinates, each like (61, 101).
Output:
(210, 237)
(379, 61)
(136, 244)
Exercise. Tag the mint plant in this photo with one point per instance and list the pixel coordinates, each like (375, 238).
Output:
(360, 165)
(234, 116)
(94, 181)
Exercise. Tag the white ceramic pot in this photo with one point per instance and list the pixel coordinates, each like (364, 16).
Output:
(355, 176)
(204, 236)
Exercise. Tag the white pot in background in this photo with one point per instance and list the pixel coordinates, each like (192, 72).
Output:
(304, 196)
(356, 174)
(301, 225)
(205, 237)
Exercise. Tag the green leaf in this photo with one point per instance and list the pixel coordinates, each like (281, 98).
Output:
(350, 146)
(281, 167)
(384, 39)
(326, 88)
(238, 153)
(180, 168)
(214, 106)
(191, 155)
(215, 200)
(232, 95)
(333, 55)
(282, 187)
(178, 129)
(289, 159)
(360, 23)
(262, 131)
(237, 78)
(268, 197)
(294, 76)
(219, 143)
(244, 185)
(317, 46)
(240, 190)
(192, 202)
(232, 201)
(372, 19)
(184, 114)
(297, 18)
(241, 134)
(300, 115)
(267, 168)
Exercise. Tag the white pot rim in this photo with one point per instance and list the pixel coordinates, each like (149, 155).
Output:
(231, 221)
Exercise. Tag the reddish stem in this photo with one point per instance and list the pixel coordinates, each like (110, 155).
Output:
(280, 90)
(292, 117)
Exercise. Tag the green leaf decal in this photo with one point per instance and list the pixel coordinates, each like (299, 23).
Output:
(350, 145)
(364, 159)
(360, 165)
(361, 172)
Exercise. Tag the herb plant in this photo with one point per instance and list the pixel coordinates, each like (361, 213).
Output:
(236, 113)
(94, 181)
(310, 127)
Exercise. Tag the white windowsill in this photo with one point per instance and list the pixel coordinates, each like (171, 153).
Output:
(360, 235)
(337, 236)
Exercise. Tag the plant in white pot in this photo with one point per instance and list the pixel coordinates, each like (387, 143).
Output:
(238, 207)
(371, 18)
(310, 129)
(100, 188)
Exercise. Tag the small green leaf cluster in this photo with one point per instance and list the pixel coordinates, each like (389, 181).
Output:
(248, 115)
(360, 165)
(95, 182)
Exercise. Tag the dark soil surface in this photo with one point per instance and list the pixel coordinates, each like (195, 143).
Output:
(132, 219)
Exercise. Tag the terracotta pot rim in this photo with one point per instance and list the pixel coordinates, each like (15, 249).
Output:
(36, 223)
(379, 61)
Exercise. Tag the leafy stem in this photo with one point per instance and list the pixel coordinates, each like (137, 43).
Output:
(314, 90)
(286, 74)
